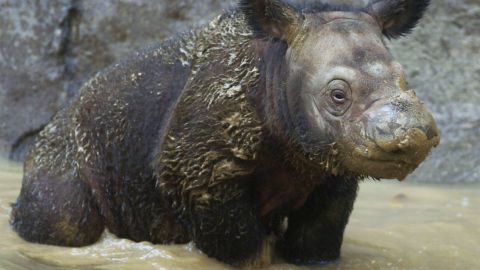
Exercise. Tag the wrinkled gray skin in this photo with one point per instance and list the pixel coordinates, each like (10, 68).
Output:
(260, 124)
(385, 130)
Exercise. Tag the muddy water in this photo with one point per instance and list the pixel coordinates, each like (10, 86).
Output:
(394, 226)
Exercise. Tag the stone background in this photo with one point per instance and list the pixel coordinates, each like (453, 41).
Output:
(48, 48)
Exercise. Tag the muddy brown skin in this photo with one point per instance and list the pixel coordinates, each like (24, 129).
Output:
(260, 124)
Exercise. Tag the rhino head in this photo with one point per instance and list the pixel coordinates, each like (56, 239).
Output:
(335, 92)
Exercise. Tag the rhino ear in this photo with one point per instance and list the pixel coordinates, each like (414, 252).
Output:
(397, 17)
(272, 18)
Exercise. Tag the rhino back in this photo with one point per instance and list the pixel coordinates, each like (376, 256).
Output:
(131, 102)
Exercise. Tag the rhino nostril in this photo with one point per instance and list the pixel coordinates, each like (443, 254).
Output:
(432, 133)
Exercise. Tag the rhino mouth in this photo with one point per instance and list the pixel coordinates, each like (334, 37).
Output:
(388, 158)
(370, 160)
(375, 154)
(386, 169)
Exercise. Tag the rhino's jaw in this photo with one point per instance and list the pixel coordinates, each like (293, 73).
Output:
(371, 159)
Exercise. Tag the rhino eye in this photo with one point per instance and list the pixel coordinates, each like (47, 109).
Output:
(339, 96)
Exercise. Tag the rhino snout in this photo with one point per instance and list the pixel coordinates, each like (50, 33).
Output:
(402, 128)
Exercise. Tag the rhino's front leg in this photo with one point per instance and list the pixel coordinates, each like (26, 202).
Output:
(225, 222)
(315, 231)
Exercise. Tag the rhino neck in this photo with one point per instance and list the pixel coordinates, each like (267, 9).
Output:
(270, 92)
(269, 99)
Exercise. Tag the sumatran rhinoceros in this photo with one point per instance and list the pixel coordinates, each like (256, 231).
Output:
(261, 123)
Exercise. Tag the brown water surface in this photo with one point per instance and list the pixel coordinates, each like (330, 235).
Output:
(394, 226)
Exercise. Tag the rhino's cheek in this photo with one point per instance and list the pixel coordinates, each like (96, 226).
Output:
(318, 119)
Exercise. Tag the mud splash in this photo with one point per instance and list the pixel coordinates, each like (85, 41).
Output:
(394, 226)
